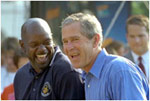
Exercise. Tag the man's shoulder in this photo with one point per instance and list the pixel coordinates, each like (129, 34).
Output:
(119, 63)
(24, 70)
(62, 60)
(62, 64)
(22, 74)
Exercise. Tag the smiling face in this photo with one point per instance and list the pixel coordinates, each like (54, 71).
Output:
(137, 37)
(38, 46)
(78, 47)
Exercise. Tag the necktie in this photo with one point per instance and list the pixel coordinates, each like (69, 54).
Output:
(141, 65)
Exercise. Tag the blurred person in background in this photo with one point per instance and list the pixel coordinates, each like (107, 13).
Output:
(107, 77)
(20, 59)
(3, 37)
(115, 47)
(3, 58)
(8, 70)
(137, 28)
(49, 75)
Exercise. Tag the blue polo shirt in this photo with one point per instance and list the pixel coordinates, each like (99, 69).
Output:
(115, 78)
(59, 81)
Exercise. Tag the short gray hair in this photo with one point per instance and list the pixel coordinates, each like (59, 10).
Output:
(89, 24)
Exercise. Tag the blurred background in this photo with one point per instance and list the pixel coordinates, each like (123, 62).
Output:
(112, 14)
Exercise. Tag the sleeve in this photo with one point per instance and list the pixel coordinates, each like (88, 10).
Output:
(127, 85)
(71, 87)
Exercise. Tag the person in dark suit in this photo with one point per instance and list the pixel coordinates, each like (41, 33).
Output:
(137, 27)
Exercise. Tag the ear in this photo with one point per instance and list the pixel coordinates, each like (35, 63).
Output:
(22, 45)
(96, 40)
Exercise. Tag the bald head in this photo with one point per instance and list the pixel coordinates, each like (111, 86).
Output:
(34, 25)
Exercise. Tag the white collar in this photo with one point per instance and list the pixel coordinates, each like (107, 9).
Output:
(145, 57)
(57, 49)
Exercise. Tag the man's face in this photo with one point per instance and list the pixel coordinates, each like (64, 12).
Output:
(137, 37)
(77, 47)
(38, 46)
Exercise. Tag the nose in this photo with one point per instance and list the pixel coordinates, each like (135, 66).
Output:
(70, 45)
(41, 48)
(137, 39)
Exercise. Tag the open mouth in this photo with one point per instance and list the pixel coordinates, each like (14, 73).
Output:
(75, 56)
(41, 58)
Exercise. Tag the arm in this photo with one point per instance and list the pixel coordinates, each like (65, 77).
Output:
(71, 87)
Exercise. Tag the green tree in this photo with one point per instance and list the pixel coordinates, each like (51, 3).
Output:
(140, 7)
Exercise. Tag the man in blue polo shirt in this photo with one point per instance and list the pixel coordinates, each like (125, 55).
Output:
(107, 77)
(49, 75)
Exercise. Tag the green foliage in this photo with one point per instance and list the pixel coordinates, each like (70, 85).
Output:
(140, 7)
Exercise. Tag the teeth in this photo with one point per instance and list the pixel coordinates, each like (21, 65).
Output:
(74, 54)
(41, 56)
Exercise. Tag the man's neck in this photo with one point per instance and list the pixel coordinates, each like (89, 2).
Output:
(89, 66)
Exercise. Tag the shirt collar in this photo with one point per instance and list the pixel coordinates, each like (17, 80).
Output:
(34, 73)
(57, 50)
(98, 64)
(145, 57)
(135, 57)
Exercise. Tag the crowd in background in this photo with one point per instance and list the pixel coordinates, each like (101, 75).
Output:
(12, 58)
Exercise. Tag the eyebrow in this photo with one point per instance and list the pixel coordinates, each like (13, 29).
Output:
(72, 37)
